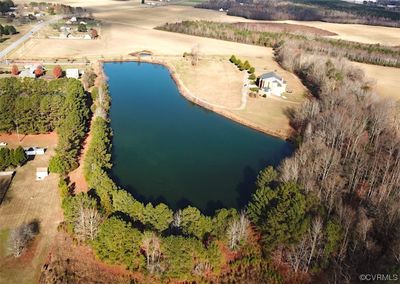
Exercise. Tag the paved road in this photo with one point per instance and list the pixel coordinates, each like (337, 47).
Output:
(26, 36)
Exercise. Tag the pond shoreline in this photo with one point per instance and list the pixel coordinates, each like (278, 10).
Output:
(183, 91)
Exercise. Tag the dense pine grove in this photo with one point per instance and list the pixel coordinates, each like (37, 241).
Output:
(40, 106)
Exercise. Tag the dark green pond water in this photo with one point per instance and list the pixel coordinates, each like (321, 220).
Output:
(166, 149)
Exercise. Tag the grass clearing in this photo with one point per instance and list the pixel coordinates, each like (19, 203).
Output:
(26, 200)
(386, 79)
(3, 242)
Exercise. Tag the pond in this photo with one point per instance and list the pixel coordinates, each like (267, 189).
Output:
(166, 149)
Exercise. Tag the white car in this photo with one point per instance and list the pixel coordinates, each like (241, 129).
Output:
(3, 144)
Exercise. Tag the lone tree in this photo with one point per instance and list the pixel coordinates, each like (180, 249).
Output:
(57, 71)
(14, 70)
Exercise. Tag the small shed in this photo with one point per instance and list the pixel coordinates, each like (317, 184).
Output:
(41, 173)
(72, 73)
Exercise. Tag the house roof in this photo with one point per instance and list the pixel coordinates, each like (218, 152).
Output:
(270, 75)
(72, 73)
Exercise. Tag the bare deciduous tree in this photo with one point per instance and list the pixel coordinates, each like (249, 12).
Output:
(238, 230)
(21, 236)
(87, 223)
(152, 250)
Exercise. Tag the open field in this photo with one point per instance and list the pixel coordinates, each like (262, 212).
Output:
(386, 79)
(27, 200)
(360, 33)
(8, 39)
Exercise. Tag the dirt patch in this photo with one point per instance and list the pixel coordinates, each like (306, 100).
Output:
(284, 28)
(40, 140)
(79, 264)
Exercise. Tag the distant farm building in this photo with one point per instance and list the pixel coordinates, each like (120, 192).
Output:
(72, 73)
(33, 151)
(41, 173)
(271, 84)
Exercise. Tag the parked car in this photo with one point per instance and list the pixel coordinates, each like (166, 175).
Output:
(3, 144)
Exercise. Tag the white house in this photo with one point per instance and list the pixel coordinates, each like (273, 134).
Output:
(272, 84)
(41, 173)
(32, 151)
(72, 73)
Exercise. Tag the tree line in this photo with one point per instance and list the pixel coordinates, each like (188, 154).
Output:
(245, 33)
(303, 10)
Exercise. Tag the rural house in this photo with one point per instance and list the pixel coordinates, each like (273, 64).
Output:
(72, 73)
(271, 84)
(41, 173)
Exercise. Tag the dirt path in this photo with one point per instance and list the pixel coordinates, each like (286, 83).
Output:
(76, 177)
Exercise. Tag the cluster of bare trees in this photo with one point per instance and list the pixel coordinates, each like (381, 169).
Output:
(87, 220)
(238, 231)
(349, 159)
(21, 236)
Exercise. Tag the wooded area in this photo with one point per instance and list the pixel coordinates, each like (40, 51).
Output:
(308, 10)
(259, 35)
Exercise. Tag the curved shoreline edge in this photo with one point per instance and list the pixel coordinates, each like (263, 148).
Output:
(183, 91)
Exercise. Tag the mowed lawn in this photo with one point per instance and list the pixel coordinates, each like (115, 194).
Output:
(25, 201)
(219, 82)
